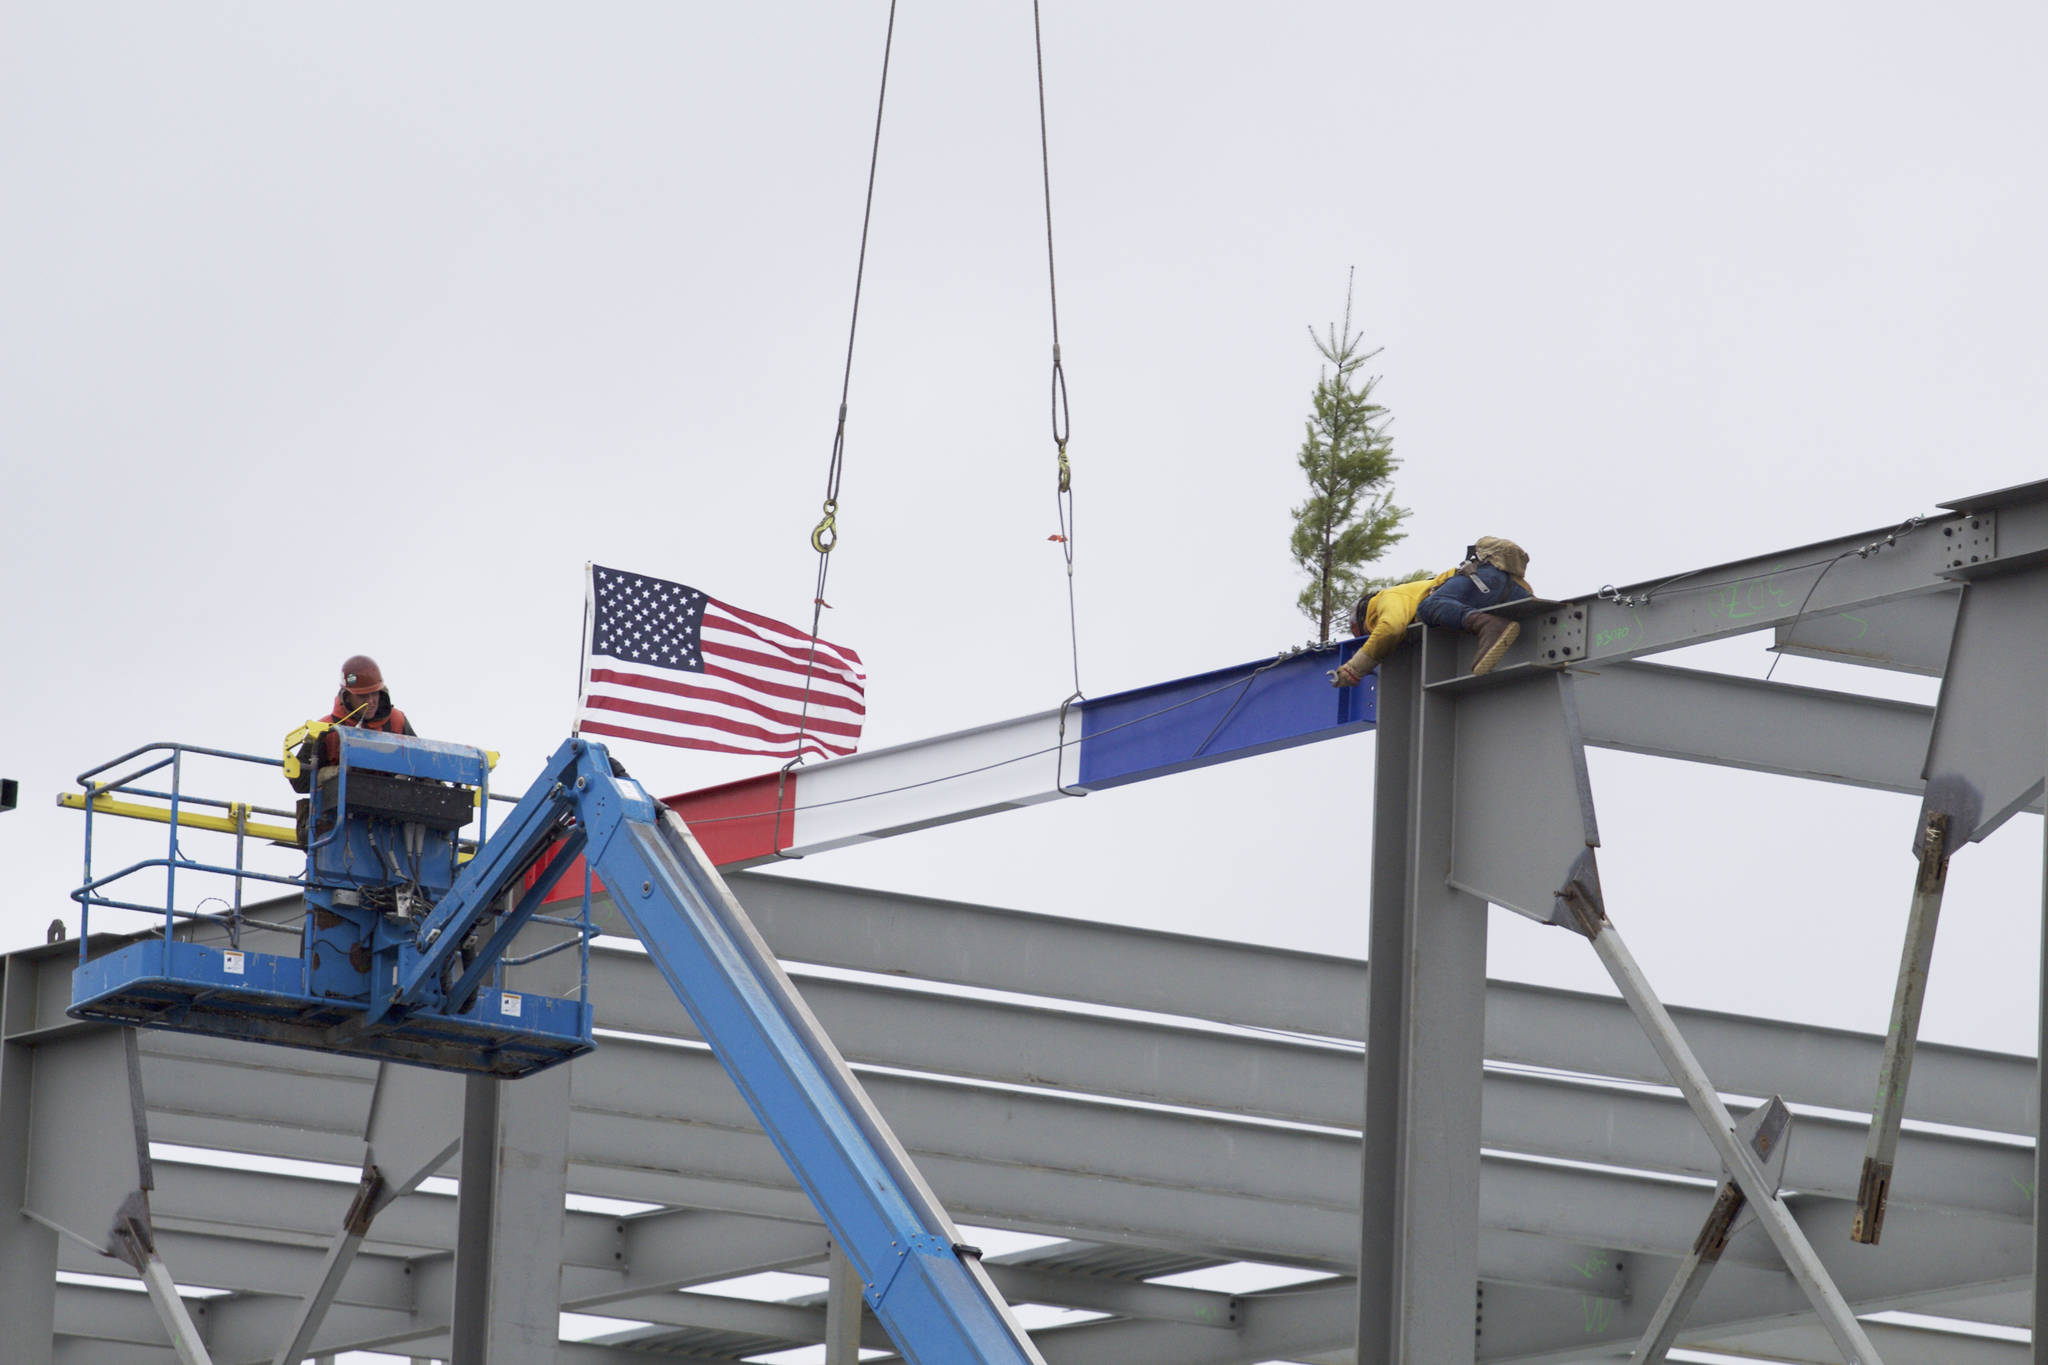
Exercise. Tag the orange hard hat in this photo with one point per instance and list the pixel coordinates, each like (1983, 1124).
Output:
(360, 675)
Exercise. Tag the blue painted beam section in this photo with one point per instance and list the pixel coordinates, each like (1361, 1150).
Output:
(1214, 717)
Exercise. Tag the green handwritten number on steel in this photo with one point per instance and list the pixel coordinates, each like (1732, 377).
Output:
(1599, 1314)
(2026, 1187)
(1591, 1266)
(1608, 637)
(1862, 626)
(1753, 599)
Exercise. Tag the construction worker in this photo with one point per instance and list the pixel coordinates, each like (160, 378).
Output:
(362, 701)
(1456, 598)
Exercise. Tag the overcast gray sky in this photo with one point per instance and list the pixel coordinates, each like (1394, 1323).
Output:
(328, 328)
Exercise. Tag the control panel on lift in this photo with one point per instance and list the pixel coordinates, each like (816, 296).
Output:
(383, 824)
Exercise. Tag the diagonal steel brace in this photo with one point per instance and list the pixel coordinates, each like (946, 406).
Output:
(1764, 1131)
(1580, 899)
(1875, 1186)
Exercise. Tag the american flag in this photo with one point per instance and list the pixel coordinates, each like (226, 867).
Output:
(669, 664)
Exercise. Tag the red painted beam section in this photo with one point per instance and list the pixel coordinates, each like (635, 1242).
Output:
(736, 822)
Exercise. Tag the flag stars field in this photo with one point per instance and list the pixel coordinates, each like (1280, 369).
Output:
(704, 674)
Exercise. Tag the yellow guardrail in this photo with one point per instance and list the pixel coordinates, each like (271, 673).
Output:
(236, 821)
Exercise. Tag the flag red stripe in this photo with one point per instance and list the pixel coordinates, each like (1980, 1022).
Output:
(723, 723)
(826, 668)
(821, 693)
(699, 692)
(768, 623)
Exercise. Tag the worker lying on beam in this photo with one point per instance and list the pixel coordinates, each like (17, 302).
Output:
(1455, 599)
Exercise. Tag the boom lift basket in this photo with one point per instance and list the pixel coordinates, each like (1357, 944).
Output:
(382, 832)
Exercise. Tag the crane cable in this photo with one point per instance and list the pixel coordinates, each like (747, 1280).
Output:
(826, 534)
(1062, 421)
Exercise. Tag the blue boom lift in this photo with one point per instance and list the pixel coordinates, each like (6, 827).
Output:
(402, 957)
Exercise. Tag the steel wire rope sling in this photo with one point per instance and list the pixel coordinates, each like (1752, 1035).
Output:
(825, 534)
(1062, 420)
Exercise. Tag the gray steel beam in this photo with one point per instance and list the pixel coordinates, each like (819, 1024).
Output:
(1952, 1259)
(631, 1093)
(1124, 1298)
(894, 935)
(1526, 1024)
(123, 1315)
(200, 1199)
(679, 1247)
(262, 1267)
(1301, 1084)
(2007, 1306)
(1900, 1345)
(1823, 579)
(507, 1304)
(1162, 1206)
(246, 1330)
(1656, 1132)
(779, 1326)
(1910, 635)
(1824, 1067)
(78, 1350)
(1283, 1325)
(1419, 1254)
(28, 1250)
(1548, 1201)
(1765, 727)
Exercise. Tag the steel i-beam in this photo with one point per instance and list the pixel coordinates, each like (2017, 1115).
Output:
(1875, 1185)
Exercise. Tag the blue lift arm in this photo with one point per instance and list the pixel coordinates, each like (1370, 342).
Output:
(927, 1289)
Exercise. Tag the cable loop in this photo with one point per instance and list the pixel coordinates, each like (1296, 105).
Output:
(1062, 420)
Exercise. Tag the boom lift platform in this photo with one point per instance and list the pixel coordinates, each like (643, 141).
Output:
(405, 944)
(384, 815)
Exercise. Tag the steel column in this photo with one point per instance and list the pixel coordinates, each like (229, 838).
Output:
(514, 1173)
(28, 1250)
(2040, 1294)
(843, 1306)
(1425, 1041)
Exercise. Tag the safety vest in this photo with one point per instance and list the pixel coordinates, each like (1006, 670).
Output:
(391, 723)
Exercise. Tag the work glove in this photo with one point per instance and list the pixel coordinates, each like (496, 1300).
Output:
(1346, 676)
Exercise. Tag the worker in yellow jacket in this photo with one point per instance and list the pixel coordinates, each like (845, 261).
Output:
(1456, 598)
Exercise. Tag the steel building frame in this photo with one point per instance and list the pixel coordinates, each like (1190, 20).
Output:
(1514, 1183)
